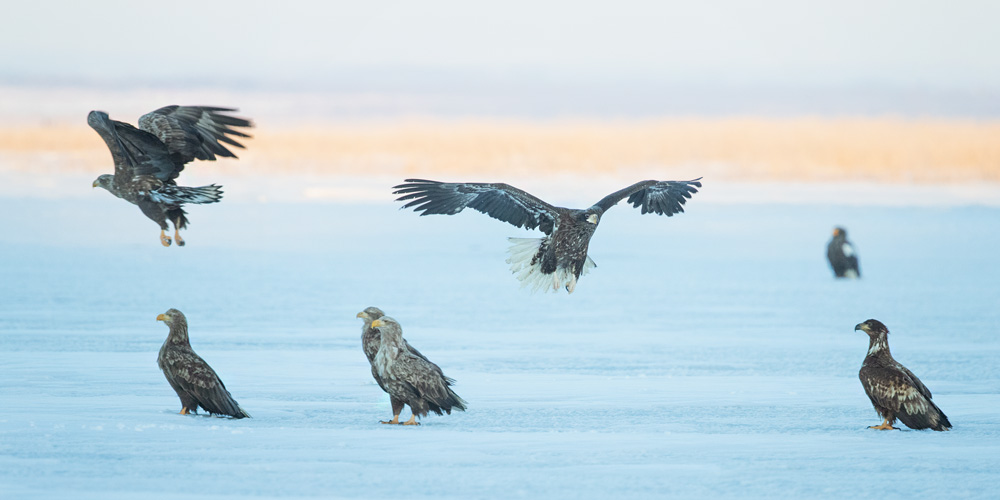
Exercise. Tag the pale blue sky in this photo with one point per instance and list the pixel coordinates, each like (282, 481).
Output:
(920, 46)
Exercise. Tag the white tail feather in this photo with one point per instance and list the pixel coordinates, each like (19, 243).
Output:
(179, 195)
(523, 250)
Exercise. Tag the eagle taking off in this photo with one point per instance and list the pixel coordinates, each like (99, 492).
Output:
(410, 378)
(843, 259)
(149, 158)
(895, 391)
(371, 339)
(192, 379)
(560, 258)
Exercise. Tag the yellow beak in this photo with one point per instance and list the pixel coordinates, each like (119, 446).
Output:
(161, 318)
(361, 315)
(377, 323)
(94, 184)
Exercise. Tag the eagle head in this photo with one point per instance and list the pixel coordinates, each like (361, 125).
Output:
(839, 231)
(872, 327)
(591, 217)
(104, 181)
(371, 313)
(171, 317)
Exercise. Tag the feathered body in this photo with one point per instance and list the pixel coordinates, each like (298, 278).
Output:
(411, 378)
(148, 159)
(843, 259)
(195, 383)
(560, 258)
(895, 391)
(371, 339)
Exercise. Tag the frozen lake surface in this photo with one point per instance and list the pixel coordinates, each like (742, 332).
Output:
(710, 354)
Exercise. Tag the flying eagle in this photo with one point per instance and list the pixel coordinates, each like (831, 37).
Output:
(192, 379)
(370, 341)
(896, 392)
(410, 378)
(560, 258)
(149, 158)
(840, 252)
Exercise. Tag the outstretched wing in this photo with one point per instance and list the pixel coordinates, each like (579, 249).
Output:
(191, 132)
(135, 152)
(659, 197)
(190, 373)
(500, 201)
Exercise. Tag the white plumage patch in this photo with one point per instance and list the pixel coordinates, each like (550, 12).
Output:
(179, 195)
(523, 250)
(847, 249)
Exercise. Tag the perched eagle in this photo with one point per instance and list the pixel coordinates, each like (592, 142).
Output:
(840, 252)
(410, 378)
(896, 392)
(192, 379)
(370, 341)
(149, 158)
(560, 258)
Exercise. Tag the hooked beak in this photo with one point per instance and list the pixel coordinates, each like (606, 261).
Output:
(592, 218)
(162, 317)
(377, 323)
(861, 326)
(94, 184)
(362, 315)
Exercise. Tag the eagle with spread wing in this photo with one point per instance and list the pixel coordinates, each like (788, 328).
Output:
(371, 339)
(410, 378)
(895, 391)
(560, 258)
(192, 379)
(148, 159)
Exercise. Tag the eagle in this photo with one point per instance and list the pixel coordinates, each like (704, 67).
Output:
(409, 378)
(370, 341)
(843, 259)
(894, 390)
(148, 159)
(560, 258)
(192, 379)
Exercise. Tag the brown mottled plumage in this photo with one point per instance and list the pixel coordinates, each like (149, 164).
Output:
(560, 258)
(370, 341)
(410, 378)
(148, 159)
(895, 391)
(192, 379)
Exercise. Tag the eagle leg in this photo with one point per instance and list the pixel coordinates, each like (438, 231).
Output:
(164, 238)
(184, 411)
(177, 236)
(886, 426)
(394, 421)
(412, 420)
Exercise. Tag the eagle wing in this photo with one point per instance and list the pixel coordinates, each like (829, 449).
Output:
(188, 372)
(427, 381)
(659, 197)
(500, 201)
(135, 152)
(193, 132)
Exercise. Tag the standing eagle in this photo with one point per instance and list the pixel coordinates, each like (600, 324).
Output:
(371, 339)
(192, 379)
(895, 391)
(149, 158)
(410, 378)
(843, 259)
(560, 258)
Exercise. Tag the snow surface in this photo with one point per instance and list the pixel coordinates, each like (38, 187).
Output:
(710, 354)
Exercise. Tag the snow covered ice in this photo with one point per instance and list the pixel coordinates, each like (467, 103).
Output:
(710, 354)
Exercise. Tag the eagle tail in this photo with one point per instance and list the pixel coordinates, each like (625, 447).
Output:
(927, 416)
(528, 269)
(180, 195)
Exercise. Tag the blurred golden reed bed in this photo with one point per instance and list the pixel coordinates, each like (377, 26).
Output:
(750, 149)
